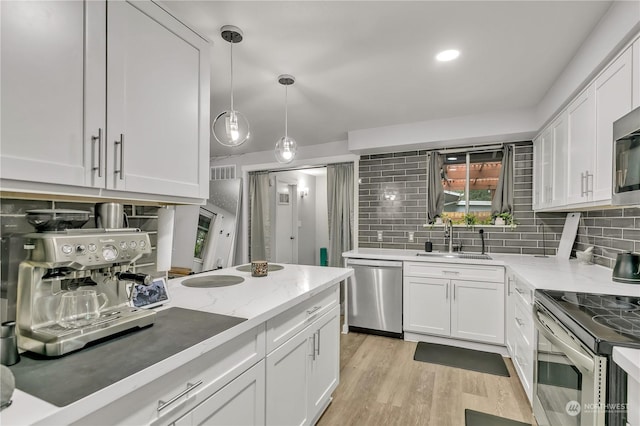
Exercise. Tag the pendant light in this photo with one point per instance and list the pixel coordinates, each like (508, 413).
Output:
(286, 147)
(230, 127)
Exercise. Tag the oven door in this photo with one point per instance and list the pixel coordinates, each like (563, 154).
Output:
(569, 386)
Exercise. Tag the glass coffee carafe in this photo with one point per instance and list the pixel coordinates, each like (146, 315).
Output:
(79, 308)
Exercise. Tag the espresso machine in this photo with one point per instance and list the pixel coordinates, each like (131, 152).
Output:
(66, 261)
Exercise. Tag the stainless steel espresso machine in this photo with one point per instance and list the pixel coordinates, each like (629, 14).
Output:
(70, 262)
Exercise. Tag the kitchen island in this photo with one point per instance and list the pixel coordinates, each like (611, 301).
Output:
(291, 305)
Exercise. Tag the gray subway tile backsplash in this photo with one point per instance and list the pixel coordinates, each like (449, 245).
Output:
(610, 231)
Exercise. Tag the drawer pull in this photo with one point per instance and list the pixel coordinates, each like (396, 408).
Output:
(451, 272)
(313, 349)
(190, 386)
(314, 310)
(519, 321)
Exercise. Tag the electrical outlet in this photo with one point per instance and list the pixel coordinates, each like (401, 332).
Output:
(411, 237)
(379, 235)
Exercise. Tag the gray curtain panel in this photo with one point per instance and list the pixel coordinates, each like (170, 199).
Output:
(340, 205)
(435, 191)
(260, 228)
(503, 199)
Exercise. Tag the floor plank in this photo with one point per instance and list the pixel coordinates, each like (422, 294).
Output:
(381, 384)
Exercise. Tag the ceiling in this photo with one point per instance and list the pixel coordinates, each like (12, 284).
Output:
(365, 64)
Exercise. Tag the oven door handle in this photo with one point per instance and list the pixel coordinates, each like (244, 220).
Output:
(551, 332)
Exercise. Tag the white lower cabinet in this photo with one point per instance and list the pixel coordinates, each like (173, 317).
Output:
(462, 306)
(521, 331)
(303, 373)
(241, 402)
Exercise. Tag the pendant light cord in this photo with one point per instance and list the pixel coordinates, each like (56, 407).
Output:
(231, 50)
(286, 109)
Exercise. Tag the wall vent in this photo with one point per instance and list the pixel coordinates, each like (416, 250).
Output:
(223, 172)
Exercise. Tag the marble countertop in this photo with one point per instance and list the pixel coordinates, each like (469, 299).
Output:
(548, 273)
(257, 299)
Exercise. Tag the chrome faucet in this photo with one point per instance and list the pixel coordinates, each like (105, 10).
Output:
(448, 233)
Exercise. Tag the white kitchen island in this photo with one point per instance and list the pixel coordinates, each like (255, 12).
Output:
(292, 320)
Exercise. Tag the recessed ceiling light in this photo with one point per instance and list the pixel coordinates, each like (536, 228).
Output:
(447, 55)
(452, 158)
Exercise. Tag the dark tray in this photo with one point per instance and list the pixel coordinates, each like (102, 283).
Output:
(63, 380)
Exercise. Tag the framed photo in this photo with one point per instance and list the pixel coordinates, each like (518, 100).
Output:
(283, 198)
(149, 296)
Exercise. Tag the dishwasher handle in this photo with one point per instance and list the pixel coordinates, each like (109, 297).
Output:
(374, 263)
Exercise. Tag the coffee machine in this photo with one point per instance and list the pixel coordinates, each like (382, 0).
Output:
(65, 261)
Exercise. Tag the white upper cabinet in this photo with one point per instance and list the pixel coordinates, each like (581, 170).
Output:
(109, 97)
(43, 60)
(155, 75)
(613, 91)
(581, 115)
(581, 157)
(636, 73)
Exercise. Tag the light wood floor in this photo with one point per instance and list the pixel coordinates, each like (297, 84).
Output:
(381, 384)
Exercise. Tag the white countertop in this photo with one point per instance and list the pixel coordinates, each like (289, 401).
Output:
(256, 299)
(548, 273)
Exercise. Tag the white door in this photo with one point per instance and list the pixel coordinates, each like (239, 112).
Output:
(477, 311)
(426, 305)
(559, 160)
(43, 62)
(547, 167)
(286, 220)
(580, 146)
(241, 402)
(155, 140)
(288, 381)
(613, 91)
(325, 368)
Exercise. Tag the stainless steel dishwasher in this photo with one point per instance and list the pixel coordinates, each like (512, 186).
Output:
(375, 297)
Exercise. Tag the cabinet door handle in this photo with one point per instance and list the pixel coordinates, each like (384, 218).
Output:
(315, 309)
(446, 297)
(190, 386)
(93, 140)
(121, 143)
(313, 350)
(509, 286)
(582, 184)
(318, 332)
(589, 188)
(454, 292)
(520, 292)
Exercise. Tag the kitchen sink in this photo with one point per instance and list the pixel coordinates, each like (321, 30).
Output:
(455, 255)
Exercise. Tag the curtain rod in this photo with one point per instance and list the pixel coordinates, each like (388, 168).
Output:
(472, 148)
(323, 166)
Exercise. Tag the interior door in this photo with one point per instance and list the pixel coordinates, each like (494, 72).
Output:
(286, 220)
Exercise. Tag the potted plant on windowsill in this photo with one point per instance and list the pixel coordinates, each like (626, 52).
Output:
(470, 219)
(505, 218)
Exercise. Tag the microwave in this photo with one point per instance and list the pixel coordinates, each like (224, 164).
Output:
(626, 159)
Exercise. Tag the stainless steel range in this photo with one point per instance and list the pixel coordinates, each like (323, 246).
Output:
(576, 382)
(73, 288)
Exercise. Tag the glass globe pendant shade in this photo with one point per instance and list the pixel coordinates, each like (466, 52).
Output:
(286, 148)
(230, 128)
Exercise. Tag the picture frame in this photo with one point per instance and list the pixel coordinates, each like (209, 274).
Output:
(149, 296)
(283, 198)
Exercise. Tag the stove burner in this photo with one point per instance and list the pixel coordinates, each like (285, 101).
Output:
(601, 302)
(625, 325)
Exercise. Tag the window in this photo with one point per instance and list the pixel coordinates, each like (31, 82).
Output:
(469, 180)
